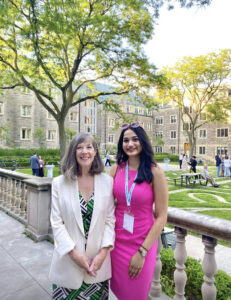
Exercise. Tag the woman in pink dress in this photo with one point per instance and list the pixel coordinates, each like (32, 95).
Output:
(138, 184)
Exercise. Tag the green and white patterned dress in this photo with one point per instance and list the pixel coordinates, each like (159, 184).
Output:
(95, 291)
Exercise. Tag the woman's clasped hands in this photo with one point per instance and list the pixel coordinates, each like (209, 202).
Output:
(90, 266)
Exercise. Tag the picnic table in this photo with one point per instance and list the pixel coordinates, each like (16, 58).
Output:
(190, 179)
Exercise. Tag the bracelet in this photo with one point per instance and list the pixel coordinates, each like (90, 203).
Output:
(144, 248)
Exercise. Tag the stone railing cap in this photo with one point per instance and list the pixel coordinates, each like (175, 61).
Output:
(14, 174)
(38, 182)
(200, 223)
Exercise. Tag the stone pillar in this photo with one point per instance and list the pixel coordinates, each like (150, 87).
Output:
(209, 267)
(38, 207)
(156, 289)
(180, 255)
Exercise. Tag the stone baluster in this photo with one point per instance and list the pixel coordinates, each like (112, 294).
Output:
(26, 199)
(156, 289)
(10, 204)
(4, 191)
(209, 267)
(23, 200)
(180, 255)
(8, 195)
(17, 196)
(13, 193)
(1, 190)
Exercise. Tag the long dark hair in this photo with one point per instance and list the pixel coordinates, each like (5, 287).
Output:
(146, 155)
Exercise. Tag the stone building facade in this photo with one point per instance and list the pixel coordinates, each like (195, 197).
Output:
(23, 116)
(211, 138)
(109, 125)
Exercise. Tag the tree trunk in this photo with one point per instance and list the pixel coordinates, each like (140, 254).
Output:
(192, 144)
(62, 137)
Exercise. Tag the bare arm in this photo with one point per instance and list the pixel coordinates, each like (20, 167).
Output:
(160, 190)
(113, 170)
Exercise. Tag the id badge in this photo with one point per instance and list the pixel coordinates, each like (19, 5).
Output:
(128, 223)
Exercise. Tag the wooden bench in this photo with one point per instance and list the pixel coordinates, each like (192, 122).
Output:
(177, 178)
(202, 181)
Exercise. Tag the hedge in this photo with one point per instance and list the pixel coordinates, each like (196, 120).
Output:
(28, 152)
(194, 278)
(161, 156)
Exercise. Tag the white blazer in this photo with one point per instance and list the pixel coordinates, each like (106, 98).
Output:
(67, 225)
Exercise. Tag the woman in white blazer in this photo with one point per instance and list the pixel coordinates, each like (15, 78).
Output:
(82, 219)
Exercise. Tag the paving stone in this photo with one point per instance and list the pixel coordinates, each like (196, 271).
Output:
(34, 292)
(13, 279)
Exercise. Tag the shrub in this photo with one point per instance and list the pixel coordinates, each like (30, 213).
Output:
(223, 285)
(160, 157)
(194, 278)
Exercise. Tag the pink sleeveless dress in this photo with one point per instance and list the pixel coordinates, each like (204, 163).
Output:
(127, 244)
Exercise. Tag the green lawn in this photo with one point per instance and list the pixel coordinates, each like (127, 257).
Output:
(217, 201)
(191, 198)
(56, 171)
(194, 198)
(223, 214)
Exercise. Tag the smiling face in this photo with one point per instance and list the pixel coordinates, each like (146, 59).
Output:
(85, 154)
(131, 143)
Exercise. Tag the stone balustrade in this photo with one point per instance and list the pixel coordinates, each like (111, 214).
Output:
(28, 199)
(211, 229)
(13, 194)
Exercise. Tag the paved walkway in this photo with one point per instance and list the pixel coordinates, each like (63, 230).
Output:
(24, 264)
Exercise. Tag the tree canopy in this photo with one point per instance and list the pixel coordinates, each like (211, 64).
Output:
(198, 86)
(59, 49)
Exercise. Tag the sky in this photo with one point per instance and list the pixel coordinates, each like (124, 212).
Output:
(190, 32)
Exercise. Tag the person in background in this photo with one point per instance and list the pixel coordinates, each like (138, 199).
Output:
(218, 164)
(82, 219)
(41, 166)
(230, 165)
(108, 161)
(180, 159)
(205, 175)
(190, 160)
(138, 184)
(227, 165)
(34, 164)
(184, 163)
(194, 164)
(222, 166)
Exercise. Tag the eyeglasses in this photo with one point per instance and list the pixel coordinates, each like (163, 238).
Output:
(132, 125)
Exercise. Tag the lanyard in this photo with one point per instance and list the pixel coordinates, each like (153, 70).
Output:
(129, 194)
